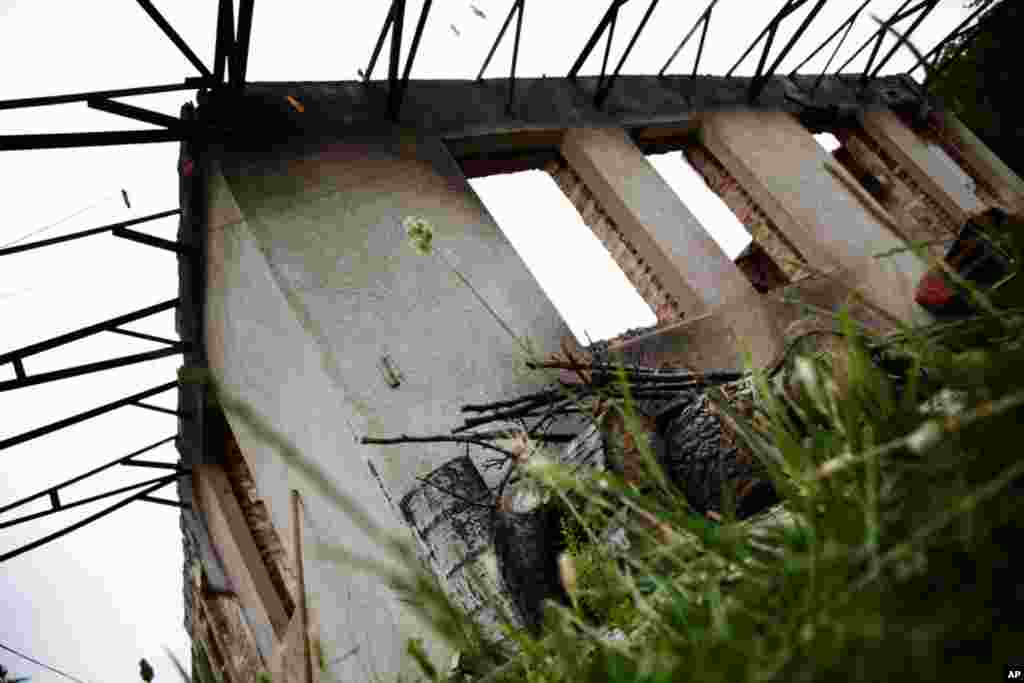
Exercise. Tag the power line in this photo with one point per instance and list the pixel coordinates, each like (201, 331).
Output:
(45, 666)
(124, 196)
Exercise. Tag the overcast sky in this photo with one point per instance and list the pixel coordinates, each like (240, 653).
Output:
(96, 601)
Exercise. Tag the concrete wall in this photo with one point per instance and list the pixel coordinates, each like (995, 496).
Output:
(310, 282)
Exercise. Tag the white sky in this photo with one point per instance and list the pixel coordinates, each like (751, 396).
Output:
(96, 601)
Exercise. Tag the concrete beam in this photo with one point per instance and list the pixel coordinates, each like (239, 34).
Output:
(929, 171)
(684, 257)
(1008, 185)
(451, 109)
(784, 169)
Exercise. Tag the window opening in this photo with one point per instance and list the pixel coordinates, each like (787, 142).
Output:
(582, 277)
(918, 217)
(732, 217)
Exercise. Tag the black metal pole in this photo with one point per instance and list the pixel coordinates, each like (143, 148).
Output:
(380, 40)
(515, 54)
(6, 251)
(867, 42)
(143, 335)
(85, 96)
(169, 31)
(501, 34)
(606, 88)
(679, 48)
(595, 36)
(136, 113)
(80, 477)
(87, 331)
(757, 87)
(396, 57)
(413, 49)
(82, 417)
(91, 518)
(225, 44)
(99, 139)
(608, 48)
(241, 50)
(152, 241)
(84, 501)
(909, 32)
(88, 368)
(700, 47)
(848, 24)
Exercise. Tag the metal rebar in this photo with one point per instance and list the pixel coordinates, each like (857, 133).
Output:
(241, 48)
(178, 41)
(9, 143)
(87, 368)
(50, 100)
(87, 331)
(606, 88)
(80, 477)
(82, 417)
(6, 251)
(909, 32)
(88, 520)
(703, 18)
(613, 8)
(225, 42)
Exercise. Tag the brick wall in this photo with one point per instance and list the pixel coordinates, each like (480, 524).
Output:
(275, 557)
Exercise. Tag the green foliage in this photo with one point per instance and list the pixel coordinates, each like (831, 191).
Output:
(898, 482)
(980, 85)
(889, 560)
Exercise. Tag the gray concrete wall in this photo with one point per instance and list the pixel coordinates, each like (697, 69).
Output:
(310, 281)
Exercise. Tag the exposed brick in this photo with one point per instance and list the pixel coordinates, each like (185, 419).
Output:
(921, 217)
(761, 228)
(622, 251)
(260, 524)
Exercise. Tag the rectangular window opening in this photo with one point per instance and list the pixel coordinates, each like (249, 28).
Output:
(730, 215)
(918, 217)
(568, 260)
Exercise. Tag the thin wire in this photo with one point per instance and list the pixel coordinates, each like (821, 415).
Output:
(45, 666)
(53, 225)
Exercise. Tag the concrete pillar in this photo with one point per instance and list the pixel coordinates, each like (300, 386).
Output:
(310, 283)
(916, 155)
(1008, 186)
(681, 254)
(834, 228)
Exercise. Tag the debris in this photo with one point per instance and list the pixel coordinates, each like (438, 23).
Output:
(477, 11)
(296, 104)
(455, 30)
